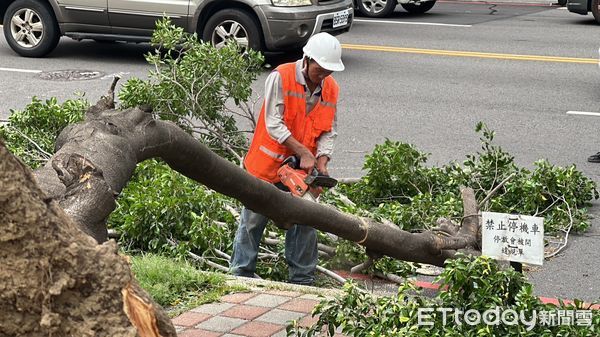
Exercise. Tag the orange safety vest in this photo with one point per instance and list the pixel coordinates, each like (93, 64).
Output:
(266, 154)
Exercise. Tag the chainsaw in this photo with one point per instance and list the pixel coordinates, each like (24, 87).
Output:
(302, 184)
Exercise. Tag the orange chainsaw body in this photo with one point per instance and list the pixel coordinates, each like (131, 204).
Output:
(293, 179)
(301, 183)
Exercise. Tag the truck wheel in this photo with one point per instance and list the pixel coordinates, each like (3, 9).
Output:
(596, 10)
(376, 8)
(418, 8)
(30, 28)
(232, 25)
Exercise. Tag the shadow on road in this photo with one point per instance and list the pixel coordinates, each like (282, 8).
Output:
(134, 53)
(105, 52)
(585, 21)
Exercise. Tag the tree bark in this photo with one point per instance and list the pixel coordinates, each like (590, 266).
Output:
(96, 158)
(57, 281)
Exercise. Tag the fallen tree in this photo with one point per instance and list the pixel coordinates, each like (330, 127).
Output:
(59, 281)
(96, 158)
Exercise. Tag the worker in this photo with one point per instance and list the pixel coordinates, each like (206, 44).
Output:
(298, 117)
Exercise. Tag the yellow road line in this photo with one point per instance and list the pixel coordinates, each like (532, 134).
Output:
(442, 52)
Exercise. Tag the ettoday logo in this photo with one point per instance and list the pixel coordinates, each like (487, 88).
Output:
(497, 316)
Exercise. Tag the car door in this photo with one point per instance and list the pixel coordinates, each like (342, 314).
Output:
(138, 17)
(84, 15)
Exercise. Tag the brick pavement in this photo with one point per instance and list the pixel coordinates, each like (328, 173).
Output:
(258, 313)
(264, 310)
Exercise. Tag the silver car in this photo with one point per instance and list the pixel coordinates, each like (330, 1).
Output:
(33, 27)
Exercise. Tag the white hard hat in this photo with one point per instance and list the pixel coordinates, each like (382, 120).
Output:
(325, 50)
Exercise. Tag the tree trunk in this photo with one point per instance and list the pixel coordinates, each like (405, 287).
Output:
(57, 281)
(96, 158)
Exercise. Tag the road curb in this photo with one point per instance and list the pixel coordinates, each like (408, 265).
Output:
(545, 300)
(254, 284)
(435, 287)
(259, 284)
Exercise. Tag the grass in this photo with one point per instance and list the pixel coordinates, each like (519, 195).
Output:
(177, 285)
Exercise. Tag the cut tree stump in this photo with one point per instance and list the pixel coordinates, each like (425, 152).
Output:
(55, 280)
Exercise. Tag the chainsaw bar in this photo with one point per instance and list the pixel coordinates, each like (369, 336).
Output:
(323, 181)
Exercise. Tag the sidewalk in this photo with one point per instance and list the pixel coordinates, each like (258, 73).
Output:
(261, 312)
(254, 314)
(267, 306)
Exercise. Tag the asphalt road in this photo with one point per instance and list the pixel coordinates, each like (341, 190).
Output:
(427, 80)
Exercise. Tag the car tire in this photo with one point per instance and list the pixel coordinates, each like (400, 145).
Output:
(30, 28)
(105, 41)
(562, 2)
(376, 9)
(233, 23)
(596, 10)
(419, 8)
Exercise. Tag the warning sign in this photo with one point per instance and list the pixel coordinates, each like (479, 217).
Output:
(513, 237)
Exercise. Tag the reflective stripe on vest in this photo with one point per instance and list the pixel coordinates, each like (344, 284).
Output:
(329, 104)
(295, 94)
(272, 154)
(266, 154)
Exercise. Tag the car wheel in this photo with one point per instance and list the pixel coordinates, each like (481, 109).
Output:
(596, 10)
(418, 8)
(30, 28)
(562, 2)
(376, 8)
(231, 25)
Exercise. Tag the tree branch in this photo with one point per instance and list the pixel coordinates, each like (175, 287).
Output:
(331, 274)
(495, 189)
